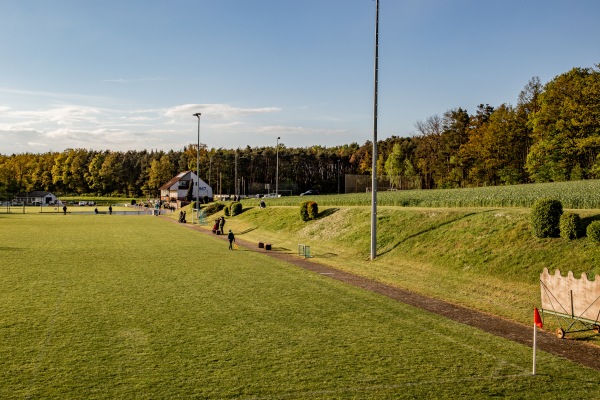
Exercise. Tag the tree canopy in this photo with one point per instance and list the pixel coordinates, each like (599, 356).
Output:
(552, 134)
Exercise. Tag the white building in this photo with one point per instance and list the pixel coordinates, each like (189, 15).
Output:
(37, 198)
(177, 188)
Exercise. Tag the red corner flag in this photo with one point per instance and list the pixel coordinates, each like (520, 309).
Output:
(537, 319)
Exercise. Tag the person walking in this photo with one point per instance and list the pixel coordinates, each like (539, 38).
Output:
(222, 224)
(65, 210)
(231, 238)
(109, 210)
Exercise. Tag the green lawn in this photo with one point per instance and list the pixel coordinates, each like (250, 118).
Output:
(102, 307)
(482, 258)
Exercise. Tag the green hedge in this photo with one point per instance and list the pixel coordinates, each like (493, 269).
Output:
(593, 231)
(235, 208)
(545, 218)
(571, 226)
(309, 210)
(213, 208)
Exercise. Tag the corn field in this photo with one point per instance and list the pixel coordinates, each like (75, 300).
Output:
(574, 194)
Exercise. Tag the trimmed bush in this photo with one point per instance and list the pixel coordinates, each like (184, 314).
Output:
(593, 231)
(313, 210)
(571, 226)
(309, 210)
(235, 208)
(304, 211)
(213, 208)
(545, 218)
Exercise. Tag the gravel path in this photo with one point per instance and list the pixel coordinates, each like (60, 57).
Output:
(574, 350)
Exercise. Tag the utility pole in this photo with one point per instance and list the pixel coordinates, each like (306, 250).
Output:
(198, 169)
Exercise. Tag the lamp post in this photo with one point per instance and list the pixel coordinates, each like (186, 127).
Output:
(198, 168)
(277, 168)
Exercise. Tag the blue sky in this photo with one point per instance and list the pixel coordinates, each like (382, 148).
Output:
(129, 74)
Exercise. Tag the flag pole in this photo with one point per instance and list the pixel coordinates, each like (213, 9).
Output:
(537, 322)
(534, 346)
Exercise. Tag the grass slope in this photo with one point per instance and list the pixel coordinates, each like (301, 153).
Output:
(482, 258)
(102, 307)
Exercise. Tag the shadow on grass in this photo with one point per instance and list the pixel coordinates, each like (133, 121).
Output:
(324, 255)
(280, 249)
(11, 249)
(432, 229)
(326, 213)
(586, 221)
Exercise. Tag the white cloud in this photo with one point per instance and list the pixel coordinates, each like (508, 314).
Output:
(60, 126)
(130, 80)
(216, 111)
(55, 95)
(299, 130)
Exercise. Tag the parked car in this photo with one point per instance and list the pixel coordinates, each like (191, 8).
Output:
(83, 203)
(309, 192)
(268, 195)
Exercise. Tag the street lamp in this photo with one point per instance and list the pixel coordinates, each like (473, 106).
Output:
(277, 168)
(198, 169)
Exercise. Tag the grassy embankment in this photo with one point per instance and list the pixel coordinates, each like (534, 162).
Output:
(102, 307)
(482, 257)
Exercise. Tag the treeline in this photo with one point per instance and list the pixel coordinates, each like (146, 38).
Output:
(551, 134)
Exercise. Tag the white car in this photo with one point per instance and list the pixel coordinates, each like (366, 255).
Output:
(271, 195)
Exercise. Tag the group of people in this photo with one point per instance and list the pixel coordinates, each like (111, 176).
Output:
(95, 210)
(218, 226)
(109, 210)
(182, 217)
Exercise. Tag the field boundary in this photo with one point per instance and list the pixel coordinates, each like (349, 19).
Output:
(572, 349)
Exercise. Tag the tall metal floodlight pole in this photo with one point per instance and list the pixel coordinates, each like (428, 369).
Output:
(198, 169)
(374, 161)
(277, 168)
(235, 183)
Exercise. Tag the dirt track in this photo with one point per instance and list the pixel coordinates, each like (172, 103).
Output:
(577, 351)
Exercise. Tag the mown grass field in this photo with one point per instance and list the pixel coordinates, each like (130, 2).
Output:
(483, 258)
(102, 307)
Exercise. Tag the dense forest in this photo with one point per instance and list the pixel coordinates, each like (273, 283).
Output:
(551, 134)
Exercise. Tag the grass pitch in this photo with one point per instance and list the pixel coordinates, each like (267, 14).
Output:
(104, 307)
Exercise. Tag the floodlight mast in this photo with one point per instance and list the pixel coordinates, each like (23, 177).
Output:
(374, 160)
(277, 168)
(198, 169)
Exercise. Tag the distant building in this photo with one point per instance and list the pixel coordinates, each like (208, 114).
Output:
(36, 197)
(178, 187)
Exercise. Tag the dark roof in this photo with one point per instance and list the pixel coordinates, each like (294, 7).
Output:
(35, 193)
(174, 180)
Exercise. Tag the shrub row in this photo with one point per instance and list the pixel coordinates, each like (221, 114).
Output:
(547, 220)
(213, 208)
